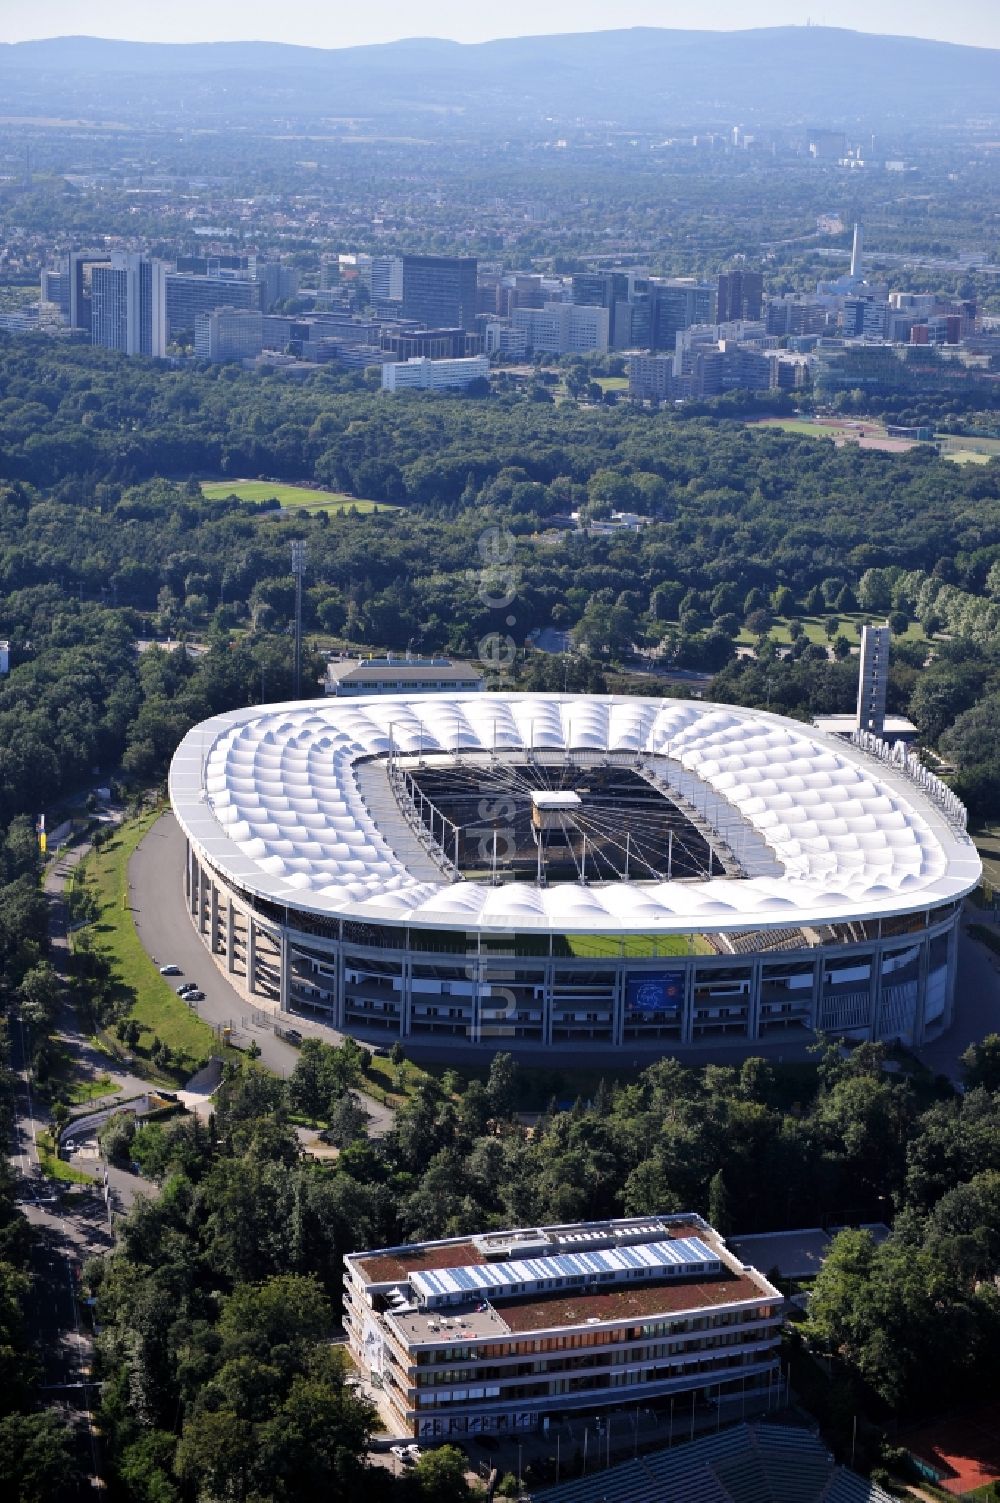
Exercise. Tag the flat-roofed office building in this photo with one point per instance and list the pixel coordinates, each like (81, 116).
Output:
(494, 1334)
(440, 291)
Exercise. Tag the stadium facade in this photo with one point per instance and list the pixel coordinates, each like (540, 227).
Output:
(572, 871)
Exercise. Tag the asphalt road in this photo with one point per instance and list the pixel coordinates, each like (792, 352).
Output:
(159, 908)
(68, 1229)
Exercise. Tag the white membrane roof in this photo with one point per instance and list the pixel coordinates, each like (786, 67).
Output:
(270, 797)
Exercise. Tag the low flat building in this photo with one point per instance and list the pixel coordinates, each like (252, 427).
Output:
(496, 1333)
(395, 675)
(424, 374)
(895, 727)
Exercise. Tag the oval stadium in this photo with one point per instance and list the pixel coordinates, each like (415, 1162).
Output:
(567, 872)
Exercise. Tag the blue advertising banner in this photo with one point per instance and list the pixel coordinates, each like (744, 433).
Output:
(654, 991)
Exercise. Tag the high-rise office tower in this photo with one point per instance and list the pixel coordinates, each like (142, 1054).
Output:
(677, 304)
(740, 295)
(128, 304)
(80, 269)
(440, 291)
(387, 279)
(612, 290)
(187, 296)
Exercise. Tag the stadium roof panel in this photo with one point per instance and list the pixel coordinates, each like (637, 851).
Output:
(270, 795)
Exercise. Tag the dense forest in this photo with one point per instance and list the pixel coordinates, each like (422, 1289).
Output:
(218, 1303)
(105, 539)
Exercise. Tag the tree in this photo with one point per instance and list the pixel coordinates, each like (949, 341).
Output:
(116, 1137)
(38, 995)
(37, 1462)
(782, 601)
(981, 1063)
(348, 1120)
(718, 1203)
(440, 1476)
(501, 1086)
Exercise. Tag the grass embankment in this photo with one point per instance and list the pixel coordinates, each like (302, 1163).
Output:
(154, 1005)
(291, 497)
(53, 1167)
(987, 839)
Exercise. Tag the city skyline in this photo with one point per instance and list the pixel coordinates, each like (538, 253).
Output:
(966, 22)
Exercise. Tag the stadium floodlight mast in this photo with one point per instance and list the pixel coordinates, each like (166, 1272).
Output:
(299, 558)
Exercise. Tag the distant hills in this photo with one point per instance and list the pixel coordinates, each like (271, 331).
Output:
(643, 77)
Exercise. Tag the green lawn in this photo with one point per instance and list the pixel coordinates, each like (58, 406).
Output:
(155, 1006)
(815, 630)
(805, 426)
(297, 497)
(612, 383)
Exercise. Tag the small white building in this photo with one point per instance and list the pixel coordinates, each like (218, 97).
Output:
(423, 374)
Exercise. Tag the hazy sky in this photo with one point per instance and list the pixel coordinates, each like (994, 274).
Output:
(322, 24)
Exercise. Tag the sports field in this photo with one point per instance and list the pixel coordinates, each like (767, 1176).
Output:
(969, 450)
(963, 1453)
(290, 497)
(867, 433)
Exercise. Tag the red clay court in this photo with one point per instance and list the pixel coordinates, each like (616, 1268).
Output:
(965, 1452)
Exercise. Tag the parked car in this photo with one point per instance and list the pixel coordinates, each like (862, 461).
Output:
(171, 970)
(194, 995)
(185, 987)
(293, 1035)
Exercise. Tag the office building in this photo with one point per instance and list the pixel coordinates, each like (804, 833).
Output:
(676, 304)
(493, 1334)
(387, 279)
(864, 317)
(612, 290)
(740, 295)
(187, 296)
(563, 328)
(422, 374)
(229, 334)
(128, 305)
(504, 340)
(793, 315)
(651, 377)
(632, 323)
(79, 268)
(435, 344)
(55, 289)
(440, 291)
(347, 678)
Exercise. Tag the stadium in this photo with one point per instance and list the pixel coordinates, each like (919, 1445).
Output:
(558, 872)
